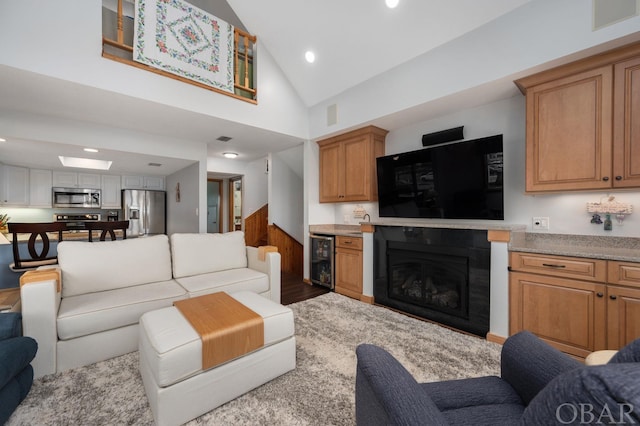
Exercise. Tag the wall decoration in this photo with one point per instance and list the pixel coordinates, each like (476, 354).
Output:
(178, 192)
(609, 207)
(177, 37)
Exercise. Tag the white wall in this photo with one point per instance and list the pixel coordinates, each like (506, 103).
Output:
(256, 188)
(286, 195)
(75, 26)
(483, 63)
(184, 215)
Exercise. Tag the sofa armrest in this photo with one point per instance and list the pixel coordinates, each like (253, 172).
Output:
(528, 363)
(270, 266)
(386, 394)
(10, 325)
(40, 304)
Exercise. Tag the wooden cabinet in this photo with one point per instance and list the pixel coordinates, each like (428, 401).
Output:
(583, 124)
(577, 305)
(623, 303)
(62, 179)
(348, 279)
(40, 184)
(111, 193)
(143, 182)
(348, 165)
(14, 186)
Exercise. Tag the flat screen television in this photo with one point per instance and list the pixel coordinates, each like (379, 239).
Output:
(461, 180)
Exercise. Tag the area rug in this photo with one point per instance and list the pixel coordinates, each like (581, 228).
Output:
(320, 391)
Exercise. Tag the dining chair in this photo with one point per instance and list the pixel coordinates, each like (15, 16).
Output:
(107, 228)
(38, 236)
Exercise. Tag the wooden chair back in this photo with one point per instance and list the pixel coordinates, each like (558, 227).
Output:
(36, 231)
(107, 228)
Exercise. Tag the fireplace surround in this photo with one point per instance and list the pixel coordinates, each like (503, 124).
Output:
(439, 274)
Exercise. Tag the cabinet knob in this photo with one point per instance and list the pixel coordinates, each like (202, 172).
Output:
(618, 177)
(613, 297)
(599, 294)
(606, 178)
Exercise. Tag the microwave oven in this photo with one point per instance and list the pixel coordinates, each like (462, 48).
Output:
(76, 197)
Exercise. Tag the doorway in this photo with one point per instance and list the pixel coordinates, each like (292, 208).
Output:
(235, 203)
(214, 205)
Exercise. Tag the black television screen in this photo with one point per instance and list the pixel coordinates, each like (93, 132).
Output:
(462, 180)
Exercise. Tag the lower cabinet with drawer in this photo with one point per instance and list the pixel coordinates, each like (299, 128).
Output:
(577, 305)
(349, 266)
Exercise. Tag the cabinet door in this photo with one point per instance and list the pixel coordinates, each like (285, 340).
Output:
(569, 129)
(40, 188)
(111, 194)
(623, 312)
(357, 169)
(349, 272)
(154, 183)
(331, 180)
(568, 314)
(626, 124)
(132, 182)
(65, 179)
(89, 180)
(15, 186)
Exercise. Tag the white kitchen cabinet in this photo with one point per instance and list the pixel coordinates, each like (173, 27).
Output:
(40, 183)
(76, 180)
(111, 192)
(143, 182)
(14, 186)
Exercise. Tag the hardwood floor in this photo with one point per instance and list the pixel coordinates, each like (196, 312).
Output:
(293, 289)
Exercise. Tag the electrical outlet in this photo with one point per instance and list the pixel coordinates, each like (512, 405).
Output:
(540, 222)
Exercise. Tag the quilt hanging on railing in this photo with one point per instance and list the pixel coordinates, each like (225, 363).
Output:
(177, 37)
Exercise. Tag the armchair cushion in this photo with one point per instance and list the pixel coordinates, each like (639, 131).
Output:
(609, 394)
(10, 325)
(630, 353)
(16, 374)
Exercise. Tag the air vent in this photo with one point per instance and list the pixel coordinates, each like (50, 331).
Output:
(607, 12)
(155, 164)
(224, 139)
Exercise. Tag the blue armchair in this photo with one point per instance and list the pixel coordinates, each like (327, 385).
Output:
(538, 385)
(16, 373)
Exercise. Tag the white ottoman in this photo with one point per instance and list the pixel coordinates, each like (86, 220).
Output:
(171, 361)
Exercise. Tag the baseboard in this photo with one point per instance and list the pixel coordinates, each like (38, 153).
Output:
(307, 281)
(367, 299)
(495, 338)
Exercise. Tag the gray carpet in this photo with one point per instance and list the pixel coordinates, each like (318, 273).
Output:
(320, 391)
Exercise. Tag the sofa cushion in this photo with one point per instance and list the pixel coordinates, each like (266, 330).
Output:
(95, 312)
(195, 254)
(231, 280)
(108, 265)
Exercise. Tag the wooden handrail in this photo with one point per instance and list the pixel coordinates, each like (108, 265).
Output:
(244, 43)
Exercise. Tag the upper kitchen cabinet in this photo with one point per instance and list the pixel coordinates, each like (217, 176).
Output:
(583, 123)
(40, 183)
(76, 180)
(143, 182)
(348, 165)
(14, 186)
(111, 192)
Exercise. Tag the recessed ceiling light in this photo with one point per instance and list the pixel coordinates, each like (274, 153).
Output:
(391, 3)
(91, 150)
(310, 56)
(85, 163)
(3, 140)
(230, 154)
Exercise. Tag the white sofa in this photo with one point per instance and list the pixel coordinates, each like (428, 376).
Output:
(107, 286)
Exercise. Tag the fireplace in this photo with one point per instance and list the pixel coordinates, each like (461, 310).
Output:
(438, 274)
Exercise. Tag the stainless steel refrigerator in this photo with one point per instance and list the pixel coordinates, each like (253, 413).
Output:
(145, 211)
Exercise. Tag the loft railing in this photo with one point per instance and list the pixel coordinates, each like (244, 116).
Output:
(117, 45)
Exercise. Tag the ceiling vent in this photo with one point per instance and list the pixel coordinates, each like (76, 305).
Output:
(224, 139)
(155, 164)
(607, 12)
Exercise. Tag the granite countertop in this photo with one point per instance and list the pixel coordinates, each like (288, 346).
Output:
(625, 249)
(66, 236)
(344, 230)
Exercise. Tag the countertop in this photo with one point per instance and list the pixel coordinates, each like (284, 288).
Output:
(344, 230)
(625, 249)
(66, 236)
(354, 230)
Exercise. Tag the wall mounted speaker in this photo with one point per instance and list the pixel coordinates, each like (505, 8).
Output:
(443, 136)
